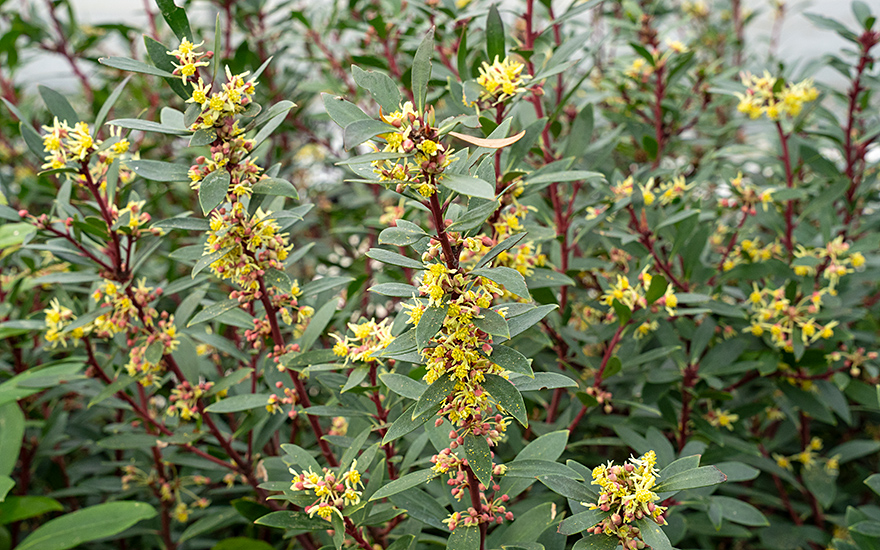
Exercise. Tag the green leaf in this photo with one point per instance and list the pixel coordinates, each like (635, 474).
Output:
(403, 385)
(213, 189)
(134, 66)
(421, 70)
(239, 403)
(512, 360)
(128, 441)
(507, 396)
(430, 324)
(300, 457)
(581, 132)
(741, 512)
(6, 485)
(395, 290)
(212, 311)
(156, 170)
(533, 468)
(360, 131)
(275, 119)
(464, 538)
(188, 224)
(475, 217)
(402, 345)
(491, 322)
(380, 86)
(205, 259)
(58, 105)
(435, 394)
(242, 543)
(548, 278)
(657, 288)
(18, 508)
(317, 324)
(542, 381)
(569, 488)
(292, 520)
(479, 457)
(493, 253)
(822, 484)
(403, 483)
(596, 542)
(405, 233)
(521, 323)
(676, 218)
(177, 20)
(393, 258)
(405, 423)
(313, 288)
(703, 476)
(12, 428)
(494, 35)
(582, 521)
(653, 535)
(278, 279)
(867, 528)
(511, 279)
(468, 185)
(681, 465)
(92, 523)
(873, 481)
(275, 187)
(147, 126)
(202, 136)
(342, 112)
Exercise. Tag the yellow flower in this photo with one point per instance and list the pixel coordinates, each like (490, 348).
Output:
(502, 79)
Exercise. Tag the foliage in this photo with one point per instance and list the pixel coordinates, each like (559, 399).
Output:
(530, 276)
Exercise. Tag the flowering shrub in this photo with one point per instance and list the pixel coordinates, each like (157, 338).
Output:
(537, 277)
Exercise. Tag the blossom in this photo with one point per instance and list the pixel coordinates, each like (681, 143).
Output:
(766, 95)
(501, 79)
(626, 491)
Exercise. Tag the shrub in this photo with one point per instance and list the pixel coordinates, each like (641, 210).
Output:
(544, 277)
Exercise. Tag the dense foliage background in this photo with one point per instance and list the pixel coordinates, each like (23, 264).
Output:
(663, 236)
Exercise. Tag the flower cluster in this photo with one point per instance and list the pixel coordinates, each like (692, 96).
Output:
(492, 508)
(633, 296)
(747, 250)
(746, 197)
(721, 418)
(275, 402)
(668, 191)
(417, 138)
(856, 360)
(834, 259)
(184, 399)
(333, 491)
(57, 319)
(627, 493)
(145, 360)
(189, 59)
(771, 96)
(252, 244)
(169, 490)
(809, 459)
(369, 338)
(501, 80)
(63, 144)
(219, 115)
(460, 349)
(786, 319)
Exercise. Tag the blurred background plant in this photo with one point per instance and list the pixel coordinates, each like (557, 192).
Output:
(700, 220)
